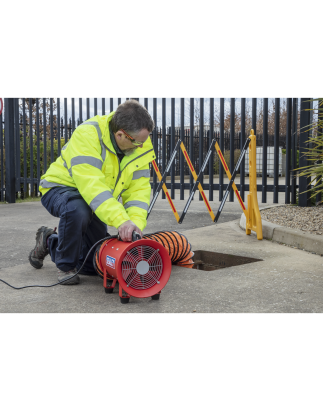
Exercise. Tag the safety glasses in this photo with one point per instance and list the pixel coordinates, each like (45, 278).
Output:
(134, 142)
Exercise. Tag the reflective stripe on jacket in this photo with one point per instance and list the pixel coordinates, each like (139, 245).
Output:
(89, 162)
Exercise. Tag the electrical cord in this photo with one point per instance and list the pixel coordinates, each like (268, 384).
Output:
(163, 237)
(61, 282)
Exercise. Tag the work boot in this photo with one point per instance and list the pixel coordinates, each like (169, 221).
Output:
(65, 275)
(37, 255)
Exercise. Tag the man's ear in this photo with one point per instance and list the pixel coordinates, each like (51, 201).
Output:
(118, 135)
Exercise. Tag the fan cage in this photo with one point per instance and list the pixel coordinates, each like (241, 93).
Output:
(142, 267)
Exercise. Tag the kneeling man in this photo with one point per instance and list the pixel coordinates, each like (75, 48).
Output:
(106, 158)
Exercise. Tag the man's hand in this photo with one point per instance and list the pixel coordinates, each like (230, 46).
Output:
(126, 229)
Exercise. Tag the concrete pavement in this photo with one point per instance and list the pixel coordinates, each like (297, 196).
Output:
(287, 280)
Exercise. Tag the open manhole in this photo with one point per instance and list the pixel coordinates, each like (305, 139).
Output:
(211, 261)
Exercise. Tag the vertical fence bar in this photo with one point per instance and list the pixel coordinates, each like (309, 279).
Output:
(232, 133)
(242, 141)
(276, 149)
(211, 161)
(146, 103)
(38, 144)
(51, 130)
(25, 146)
(95, 106)
(294, 148)
(172, 145)
(163, 139)
(119, 101)
(103, 106)
(44, 135)
(303, 196)
(1, 158)
(73, 116)
(111, 104)
(58, 129)
(17, 139)
(10, 150)
(87, 108)
(288, 150)
(80, 111)
(221, 148)
(318, 197)
(181, 155)
(31, 148)
(201, 137)
(191, 139)
(65, 120)
(254, 115)
(155, 142)
(264, 150)
(70, 129)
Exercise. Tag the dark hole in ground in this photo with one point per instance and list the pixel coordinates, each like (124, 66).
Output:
(211, 261)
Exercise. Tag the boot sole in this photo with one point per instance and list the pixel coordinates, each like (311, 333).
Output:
(74, 281)
(34, 263)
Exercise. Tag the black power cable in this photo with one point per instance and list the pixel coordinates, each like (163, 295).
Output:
(61, 282)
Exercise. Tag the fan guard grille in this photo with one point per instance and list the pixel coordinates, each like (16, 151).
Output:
(142, 267)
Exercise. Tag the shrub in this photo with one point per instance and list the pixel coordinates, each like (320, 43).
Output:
(226, 156)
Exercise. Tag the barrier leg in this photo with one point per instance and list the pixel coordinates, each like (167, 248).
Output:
(248, 217)
(253, 218)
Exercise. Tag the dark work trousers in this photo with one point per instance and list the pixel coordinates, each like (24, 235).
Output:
(78, 229)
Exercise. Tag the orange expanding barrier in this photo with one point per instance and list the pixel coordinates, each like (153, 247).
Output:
(252, 213)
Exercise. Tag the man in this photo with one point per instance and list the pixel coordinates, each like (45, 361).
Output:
(106, 157)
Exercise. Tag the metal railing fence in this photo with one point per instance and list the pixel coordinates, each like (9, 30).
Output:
(2, 164)
(32, 135)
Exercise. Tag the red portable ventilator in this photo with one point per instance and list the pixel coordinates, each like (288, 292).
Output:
(142, 268)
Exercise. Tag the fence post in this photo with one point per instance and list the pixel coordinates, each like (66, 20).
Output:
(10, 150)
(304, 198)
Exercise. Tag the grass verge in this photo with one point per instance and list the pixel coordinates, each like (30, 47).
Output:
(25, 200)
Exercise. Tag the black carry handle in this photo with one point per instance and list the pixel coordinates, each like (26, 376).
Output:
(135, 236)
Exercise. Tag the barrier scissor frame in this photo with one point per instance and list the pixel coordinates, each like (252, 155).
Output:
(252, 213)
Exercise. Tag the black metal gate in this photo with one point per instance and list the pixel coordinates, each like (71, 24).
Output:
(33, 132)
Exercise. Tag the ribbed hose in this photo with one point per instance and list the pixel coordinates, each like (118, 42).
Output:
(177, 245)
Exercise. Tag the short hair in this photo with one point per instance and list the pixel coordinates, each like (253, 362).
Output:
(132, 117)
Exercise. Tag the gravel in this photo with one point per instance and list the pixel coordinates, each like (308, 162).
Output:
(309, 219)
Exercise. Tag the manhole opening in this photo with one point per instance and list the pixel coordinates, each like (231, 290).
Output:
(211, 261)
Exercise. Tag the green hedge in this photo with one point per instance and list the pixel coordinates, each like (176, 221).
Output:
(41, 155)
(226, 156)
(297, 156)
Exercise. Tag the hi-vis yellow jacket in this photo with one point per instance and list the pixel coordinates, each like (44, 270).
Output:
(89, 162)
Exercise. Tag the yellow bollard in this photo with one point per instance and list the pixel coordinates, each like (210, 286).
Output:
(253, 217)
